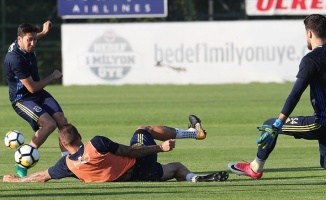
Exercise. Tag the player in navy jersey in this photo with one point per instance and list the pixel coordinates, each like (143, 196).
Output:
(26, 90)
(102, 160)
(312, 72)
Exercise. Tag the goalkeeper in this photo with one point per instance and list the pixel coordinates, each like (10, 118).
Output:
(312, 72)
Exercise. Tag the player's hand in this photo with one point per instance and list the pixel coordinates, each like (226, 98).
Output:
(267, 137)
(10, 178)
(168, 145)
(269, 133)
(56, 74)
(46, 27)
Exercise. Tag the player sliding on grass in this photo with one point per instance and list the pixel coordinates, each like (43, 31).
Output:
(312, 72)
(102, 160)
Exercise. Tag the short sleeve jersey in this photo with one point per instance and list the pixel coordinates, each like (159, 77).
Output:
(19, 64)
(103, 146)
(312, 68)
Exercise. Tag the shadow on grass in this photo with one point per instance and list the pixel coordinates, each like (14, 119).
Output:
(288, 177)
(72, 188)
(108, 189)
(297, 169)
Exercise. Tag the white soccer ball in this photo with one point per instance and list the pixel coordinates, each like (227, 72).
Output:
(14, 139)
(27, 156)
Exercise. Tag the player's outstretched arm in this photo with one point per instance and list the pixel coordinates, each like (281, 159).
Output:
(46, 28)
(41, 176)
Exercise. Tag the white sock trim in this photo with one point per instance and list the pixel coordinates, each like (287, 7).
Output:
(257, 165)
(190, 177)
(189, 133)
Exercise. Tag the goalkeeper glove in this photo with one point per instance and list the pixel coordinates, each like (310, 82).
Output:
(269, 133)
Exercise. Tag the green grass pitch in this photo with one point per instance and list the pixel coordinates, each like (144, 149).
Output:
(229, 113)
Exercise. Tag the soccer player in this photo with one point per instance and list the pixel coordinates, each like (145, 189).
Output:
(312, 72)
(26, 90)
(103, 160)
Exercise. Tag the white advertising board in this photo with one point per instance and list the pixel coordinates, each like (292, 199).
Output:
(285, 7)
(182, 53)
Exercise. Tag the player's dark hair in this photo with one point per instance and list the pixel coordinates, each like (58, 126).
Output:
(317, 24)
(27, 28)
(68, 134)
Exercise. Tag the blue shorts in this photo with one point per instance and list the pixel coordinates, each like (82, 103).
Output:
(305, 127)
(146, 168)
(31, 110)
(302, 127)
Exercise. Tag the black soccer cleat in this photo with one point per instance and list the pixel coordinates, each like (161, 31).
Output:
(214, 177)
(195, 123)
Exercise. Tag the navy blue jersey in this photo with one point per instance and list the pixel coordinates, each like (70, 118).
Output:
(18, 65)
(102, 145)
(312, 69)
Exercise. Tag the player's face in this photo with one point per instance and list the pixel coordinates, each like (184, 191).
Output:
(27, 42)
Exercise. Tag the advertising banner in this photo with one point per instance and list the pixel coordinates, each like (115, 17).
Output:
(182, 53)
(285, 7)
(68, 9)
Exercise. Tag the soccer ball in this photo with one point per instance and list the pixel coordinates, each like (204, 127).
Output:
(27, 156)
(14, 139)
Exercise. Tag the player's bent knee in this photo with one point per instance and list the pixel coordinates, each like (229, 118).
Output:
(63, 121)
(50, 125)
(60, 119)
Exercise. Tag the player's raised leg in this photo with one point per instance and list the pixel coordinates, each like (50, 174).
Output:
(163, 133)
